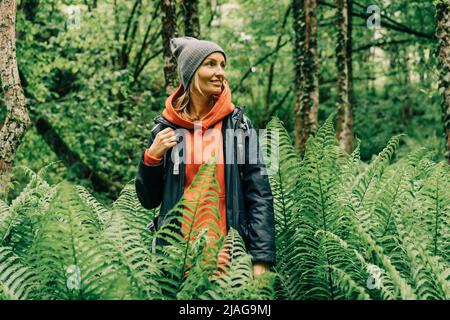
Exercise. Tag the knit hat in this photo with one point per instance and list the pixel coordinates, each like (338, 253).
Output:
(190, 53)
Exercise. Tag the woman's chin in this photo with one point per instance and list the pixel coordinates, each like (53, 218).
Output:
(215, 91)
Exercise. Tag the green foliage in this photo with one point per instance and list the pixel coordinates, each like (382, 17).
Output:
(73, 76)
(337, 220)
(350, 217)
(59, 242)
(337, 217)
(82, 77)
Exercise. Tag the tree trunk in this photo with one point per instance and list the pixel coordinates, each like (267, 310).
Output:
(169, 31)
(17, 120)
(191, 18)
(406, 102)
(344, 130)
(314, 71)
(443, 55)
(306, 78)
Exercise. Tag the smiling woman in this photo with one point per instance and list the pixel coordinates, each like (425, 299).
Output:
(208, 84)
(205, 88)
(203, 101)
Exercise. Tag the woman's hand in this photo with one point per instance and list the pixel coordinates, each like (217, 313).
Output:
(164, 140)
(259, 268)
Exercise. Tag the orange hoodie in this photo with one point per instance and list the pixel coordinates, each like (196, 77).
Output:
(211, 143)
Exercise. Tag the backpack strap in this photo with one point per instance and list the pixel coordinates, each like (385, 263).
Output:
(243, 125)
(240, 147)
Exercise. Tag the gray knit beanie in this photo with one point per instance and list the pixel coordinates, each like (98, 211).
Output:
(190, 53)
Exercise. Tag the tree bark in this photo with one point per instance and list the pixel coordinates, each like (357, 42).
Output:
(306, 78)
(443, 55)
(17, 119)
(344, 128)
(191, 18)
(169, 31)
(314, 70)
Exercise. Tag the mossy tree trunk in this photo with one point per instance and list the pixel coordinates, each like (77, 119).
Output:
(443, 55)
(344, 130)
(191, 18)
(306, 77)
(17, 119)
(169, 31)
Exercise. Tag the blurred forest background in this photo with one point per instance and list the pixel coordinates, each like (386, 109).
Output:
(94, 75)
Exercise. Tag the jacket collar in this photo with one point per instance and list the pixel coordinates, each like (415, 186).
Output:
(236, 115)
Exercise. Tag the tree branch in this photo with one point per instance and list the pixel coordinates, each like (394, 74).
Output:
(72, 160)
(272, 65)
(258, 62)
(145, 42)
(124, 50)
(389, 25)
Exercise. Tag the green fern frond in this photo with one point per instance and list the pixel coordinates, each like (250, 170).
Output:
(103, 215)
(234, 277)
(130, 258)
(199, 202)
(433, 212)
(5, 213)
(137, 216)
(349, 288)
(284, 182)
(17, 226)
(67, 247)
(376, 168)
(326, 135)
(17, 280)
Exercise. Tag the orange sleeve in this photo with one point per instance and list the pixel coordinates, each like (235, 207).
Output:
(150, 160)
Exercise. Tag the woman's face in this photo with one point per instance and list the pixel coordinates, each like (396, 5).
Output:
(211, 74)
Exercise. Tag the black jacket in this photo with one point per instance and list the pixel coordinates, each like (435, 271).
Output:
(249, 201)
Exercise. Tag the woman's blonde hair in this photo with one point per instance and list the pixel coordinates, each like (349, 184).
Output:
(182, 103)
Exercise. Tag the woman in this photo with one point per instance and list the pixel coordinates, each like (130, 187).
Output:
(200, 105)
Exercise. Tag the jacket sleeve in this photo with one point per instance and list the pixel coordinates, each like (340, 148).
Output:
(259, 203)
(149, 179)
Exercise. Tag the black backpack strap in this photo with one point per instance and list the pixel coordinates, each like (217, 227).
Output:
(243, 125)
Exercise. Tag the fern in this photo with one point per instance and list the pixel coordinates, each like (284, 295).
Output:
(233, 278)
(337, 220)
(200, 201)
(67, 243)
(103, 215)
(17, 280)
